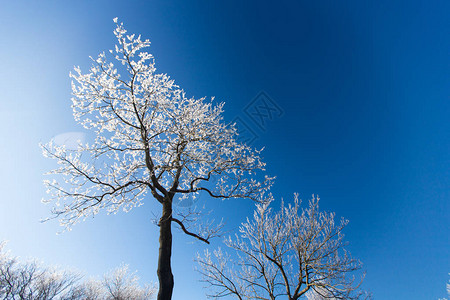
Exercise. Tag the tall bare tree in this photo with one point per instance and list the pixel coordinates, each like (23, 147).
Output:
(150, 139)
(289, 254)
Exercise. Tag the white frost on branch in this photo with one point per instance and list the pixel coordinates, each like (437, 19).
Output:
(291, 253)
(121, 284)
(448, 290)
(30, 280)
(150, 137)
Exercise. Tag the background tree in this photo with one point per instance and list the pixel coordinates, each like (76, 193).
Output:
(29, 281)
(149, 138)
(319, 294)
(120, 284)
(448, 290)
(32, 281)
(287, 253)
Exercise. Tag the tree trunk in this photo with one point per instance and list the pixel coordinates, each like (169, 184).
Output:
(165, 252)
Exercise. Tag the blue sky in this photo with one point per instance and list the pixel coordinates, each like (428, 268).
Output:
(363, 86)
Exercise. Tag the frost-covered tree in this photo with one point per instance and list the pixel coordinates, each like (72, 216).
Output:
(319, 294)
(448, 290)
(150, 139)
(120, 284)
(30, 280)
(291, 254)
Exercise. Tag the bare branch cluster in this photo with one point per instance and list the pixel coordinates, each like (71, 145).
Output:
(292, 253)
(31, 281)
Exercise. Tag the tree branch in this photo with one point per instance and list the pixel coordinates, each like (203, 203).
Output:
(188, 232)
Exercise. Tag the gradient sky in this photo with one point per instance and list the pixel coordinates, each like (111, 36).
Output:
(363, 86)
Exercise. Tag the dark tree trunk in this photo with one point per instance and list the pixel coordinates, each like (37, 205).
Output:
(165, 252)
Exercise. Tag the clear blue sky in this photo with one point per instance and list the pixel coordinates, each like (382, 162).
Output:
(364, 86)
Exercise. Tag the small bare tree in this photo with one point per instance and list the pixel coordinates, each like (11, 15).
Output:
(149, 139)
(120, 284)
(288, 253)
(31, 281)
